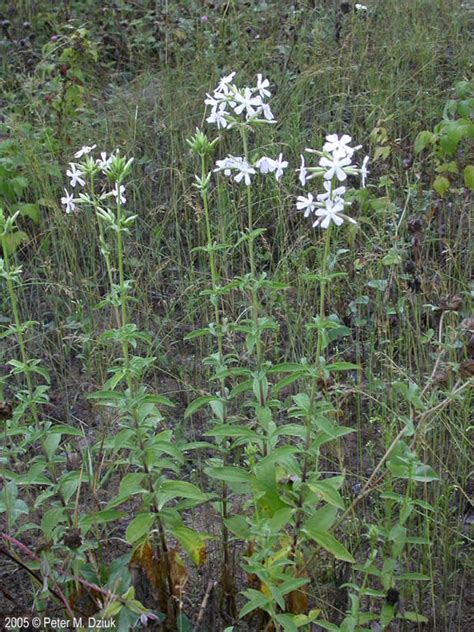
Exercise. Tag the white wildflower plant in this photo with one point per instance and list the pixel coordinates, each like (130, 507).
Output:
(334, 166)
(243, 108)
(102, 177)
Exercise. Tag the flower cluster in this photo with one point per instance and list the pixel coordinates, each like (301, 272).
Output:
(335, 165)
(244, 169)
(113, 166)
(230, 104)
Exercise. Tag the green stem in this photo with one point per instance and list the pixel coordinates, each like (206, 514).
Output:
(212, 259)
(103, 244)
(314, 384)
(258, 342)
(322, 296)
(123, 297)
(227, 574)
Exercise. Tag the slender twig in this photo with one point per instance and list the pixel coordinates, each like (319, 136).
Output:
(210, 587)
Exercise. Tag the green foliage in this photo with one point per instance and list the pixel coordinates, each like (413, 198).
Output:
(188, 379)
(449, 136)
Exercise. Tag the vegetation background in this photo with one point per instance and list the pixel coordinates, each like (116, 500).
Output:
(133, 76)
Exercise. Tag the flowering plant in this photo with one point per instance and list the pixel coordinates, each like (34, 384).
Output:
(243, 108)
(335, 165)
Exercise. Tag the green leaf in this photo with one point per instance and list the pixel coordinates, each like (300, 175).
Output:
(158, 400)
(423, 140)
(239, 527)
(65, 429)
(342, 366)
(256, 599)
(193, 542)
(131, 484)
(51, 444)
(169, 490)
(35, 475)
(412, 616)
(199, 403)
(425, 474)
(469, 176)
(13, 240)
(387, 614)
(124, 439)
(158, 447)
(328, 492)
(321, 519)
(329, 542)
(287, 622)
(287, 367)
(197, 333)
(52, 519)
(29, 210)
(229, 474)
(140, 525)
(391, 259)
(106, 398)
(280, 519)
(227, 430)
(452, 132)
(441, 185)
(448, 167)
(378, 284)
(289, 379)
(69, 484)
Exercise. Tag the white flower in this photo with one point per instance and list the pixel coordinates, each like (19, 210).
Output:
(306, 204)
(84, 150)
(218, 116)
(119, 193)
(226, 165)
(280, 164)
(104, 162)
(303, 172)
(339, 146)
(329, 212)
(266, 165)
(262, 85)
(246, 101)
(330, 192)
(335, 166)
(214, 100)
(267, 113)
(360, 7)
(364, 171)
(67, 202)
(332, 212)
(223, 85)
(75, 174)
(243, 168)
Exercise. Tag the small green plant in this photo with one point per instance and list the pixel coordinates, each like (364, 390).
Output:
(453, 132)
